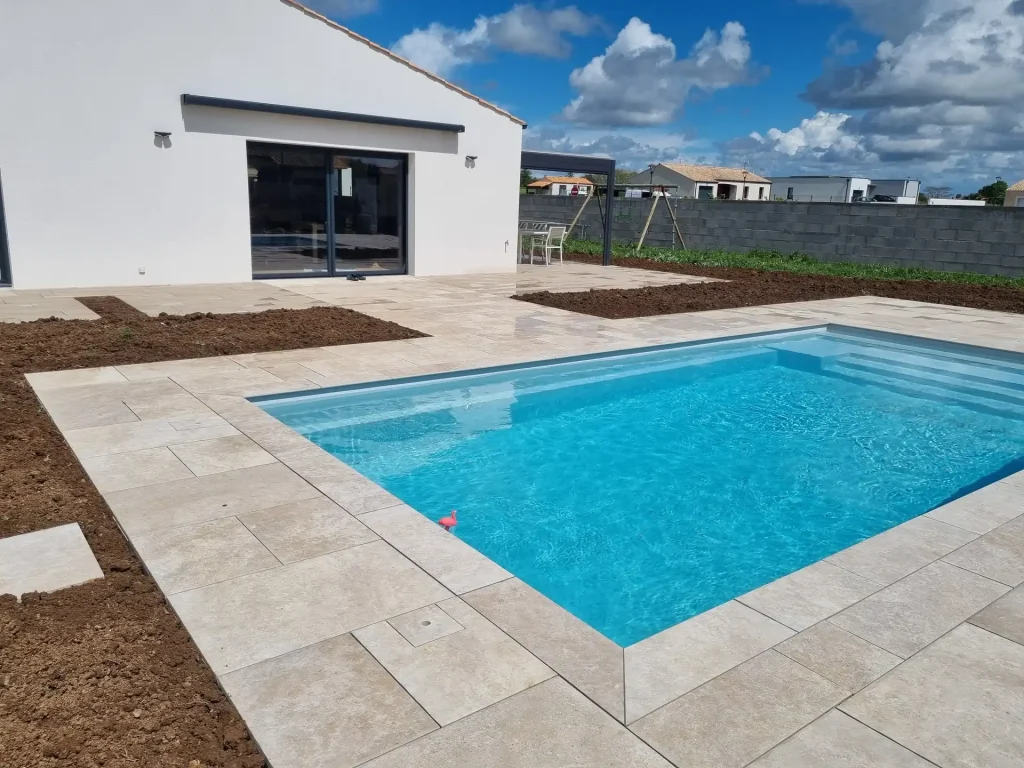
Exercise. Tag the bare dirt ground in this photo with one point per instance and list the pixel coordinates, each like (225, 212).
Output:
(103, 674)
(752, 287)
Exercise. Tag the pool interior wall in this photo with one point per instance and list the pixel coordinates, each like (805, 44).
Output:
(638, 489)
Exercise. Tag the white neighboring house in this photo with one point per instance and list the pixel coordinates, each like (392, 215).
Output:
(1015, 196)
(562, 185)
(707, 182)
(844, 189)
(190, 141)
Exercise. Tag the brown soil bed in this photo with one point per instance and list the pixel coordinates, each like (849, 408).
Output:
(752, 287)
(103, 674)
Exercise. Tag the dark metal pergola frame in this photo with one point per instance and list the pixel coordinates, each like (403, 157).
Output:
(555, 161)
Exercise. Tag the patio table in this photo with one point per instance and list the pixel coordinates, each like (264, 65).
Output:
(529, 228)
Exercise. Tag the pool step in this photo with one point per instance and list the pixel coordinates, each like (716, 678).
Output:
(968, 369)
(975, 387)
(994, 396)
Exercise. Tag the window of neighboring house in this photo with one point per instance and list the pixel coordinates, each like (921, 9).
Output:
(5, 263)
(789, 193)
(705, 192)
(760, 193)
(563, 189)
(746, 193)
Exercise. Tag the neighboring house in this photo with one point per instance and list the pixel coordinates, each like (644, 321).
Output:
(189, 141)
(562, 185)
(1015, 196)
(844, 189)
(707, 182)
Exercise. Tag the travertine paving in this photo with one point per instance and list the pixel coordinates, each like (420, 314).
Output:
(350, 630)
(46, 560)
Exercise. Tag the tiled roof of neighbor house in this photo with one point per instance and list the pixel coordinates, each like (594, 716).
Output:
(409, 64)
(715, 173)
(549, 180)
(1018, 187)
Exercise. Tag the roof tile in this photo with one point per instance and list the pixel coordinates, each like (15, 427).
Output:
(715, 173)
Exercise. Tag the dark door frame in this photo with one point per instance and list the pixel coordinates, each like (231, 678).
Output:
(329, 222)
(5, 253)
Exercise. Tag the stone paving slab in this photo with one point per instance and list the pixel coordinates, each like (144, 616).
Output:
(26, 306)
(673, 662)
(302, 603)
(910, 614)
(459, 673)
(960, 702)
(328, 705)
(1004, 617)
(837, 655)
(548, 726)
(580, 654)
(836, 740)
(46, 560)
(740, 715)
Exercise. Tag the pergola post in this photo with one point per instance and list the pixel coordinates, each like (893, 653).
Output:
(608, 200)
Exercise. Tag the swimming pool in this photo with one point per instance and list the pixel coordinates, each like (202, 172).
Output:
(639, 489)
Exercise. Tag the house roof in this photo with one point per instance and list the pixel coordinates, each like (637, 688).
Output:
(715, 173)
(400, 60)
(549, 180)
(1018, 187)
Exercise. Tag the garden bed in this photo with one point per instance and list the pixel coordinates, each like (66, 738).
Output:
(103, 674)
(754, 287)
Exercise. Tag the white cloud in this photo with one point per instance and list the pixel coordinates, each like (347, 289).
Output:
(965, 52)
(639, 81)
(441, 49)
(939, 99)
(524, 29)
(821, 132)
(630, 151)
(342, 8)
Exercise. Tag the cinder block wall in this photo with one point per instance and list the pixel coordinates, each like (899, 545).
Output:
(988, 240)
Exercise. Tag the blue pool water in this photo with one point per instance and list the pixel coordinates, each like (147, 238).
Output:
(639, 490)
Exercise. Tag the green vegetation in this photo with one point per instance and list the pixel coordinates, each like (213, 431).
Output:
(774, 261)
(992, 194)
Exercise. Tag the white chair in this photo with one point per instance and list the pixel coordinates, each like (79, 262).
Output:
(548, 241)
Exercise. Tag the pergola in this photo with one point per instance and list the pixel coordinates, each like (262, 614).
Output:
(556, 161)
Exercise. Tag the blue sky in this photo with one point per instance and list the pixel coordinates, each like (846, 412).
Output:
(926, 89)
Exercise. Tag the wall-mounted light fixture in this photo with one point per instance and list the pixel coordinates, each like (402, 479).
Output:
(162, 139)
(471, 161)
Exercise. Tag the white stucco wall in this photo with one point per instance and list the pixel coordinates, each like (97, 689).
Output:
(662, 175)
(819, 189)
(90, 197)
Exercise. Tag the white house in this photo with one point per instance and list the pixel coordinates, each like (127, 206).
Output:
(562, 185)
(844, 189)
(1015, 196)
(187, 141)
(707, 182)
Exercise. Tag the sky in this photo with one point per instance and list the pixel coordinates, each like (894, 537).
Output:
(923, 89)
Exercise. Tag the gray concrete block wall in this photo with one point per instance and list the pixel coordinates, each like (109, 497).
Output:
(959, 239)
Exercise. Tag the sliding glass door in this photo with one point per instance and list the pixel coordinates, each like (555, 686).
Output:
(324, 212)
(368, 213)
